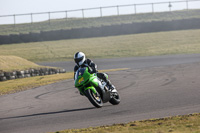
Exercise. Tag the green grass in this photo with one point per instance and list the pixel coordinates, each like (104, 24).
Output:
(11, 63)
(176, 124)
(13, 86)
(97, 22)
(148, 44)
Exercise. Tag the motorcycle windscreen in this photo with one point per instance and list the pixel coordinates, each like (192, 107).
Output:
(79, 72)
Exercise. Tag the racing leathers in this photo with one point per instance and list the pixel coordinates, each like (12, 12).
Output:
(93, 69)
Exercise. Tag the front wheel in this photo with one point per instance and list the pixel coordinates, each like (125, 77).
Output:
(95, 99)
(115, 98)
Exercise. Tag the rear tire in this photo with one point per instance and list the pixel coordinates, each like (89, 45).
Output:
(95, 99)
(115, 99)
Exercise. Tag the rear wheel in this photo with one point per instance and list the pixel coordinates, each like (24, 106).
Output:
(95, 99)
(115, 98)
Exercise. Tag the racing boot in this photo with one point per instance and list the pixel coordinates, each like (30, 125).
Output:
(104, 77)
(111, 87)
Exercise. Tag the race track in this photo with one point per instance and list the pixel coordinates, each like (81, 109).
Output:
(153, 87)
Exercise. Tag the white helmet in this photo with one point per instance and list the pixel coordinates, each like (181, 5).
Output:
(79, 58)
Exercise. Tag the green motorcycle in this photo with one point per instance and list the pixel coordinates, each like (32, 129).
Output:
(95, 89)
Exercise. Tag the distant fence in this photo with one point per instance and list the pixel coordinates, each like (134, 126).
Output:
(100, 11)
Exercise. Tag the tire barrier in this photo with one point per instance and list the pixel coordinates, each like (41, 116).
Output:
(112, 30)
(29, 73)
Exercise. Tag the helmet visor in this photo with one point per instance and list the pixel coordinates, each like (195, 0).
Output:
(77, 60)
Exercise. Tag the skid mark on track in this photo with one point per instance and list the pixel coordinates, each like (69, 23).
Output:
(48, 93)
(169, 81)
(128, 86)
(38, 96)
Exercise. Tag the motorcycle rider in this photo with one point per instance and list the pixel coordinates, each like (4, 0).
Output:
(81, 61)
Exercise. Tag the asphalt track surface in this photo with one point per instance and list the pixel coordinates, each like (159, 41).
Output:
(153, 87)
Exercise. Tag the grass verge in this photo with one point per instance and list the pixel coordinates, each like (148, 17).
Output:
(12, 86)
(148, 44)
(11, 63)
(176, 124)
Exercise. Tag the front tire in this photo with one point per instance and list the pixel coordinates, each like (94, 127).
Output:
(95, 99)
(115, 98)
